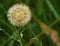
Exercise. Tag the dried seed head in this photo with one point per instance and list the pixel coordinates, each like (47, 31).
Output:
(19, 15)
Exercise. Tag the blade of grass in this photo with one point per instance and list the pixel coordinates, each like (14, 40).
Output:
(7, 25)
(32, 40)
(11, 43)
(53, 23)
(52, 9)
(3, 8)
(36, 38)
(5, 41)
(4, 21)
(6, 33)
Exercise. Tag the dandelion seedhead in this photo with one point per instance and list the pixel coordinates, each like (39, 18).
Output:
(19, 14)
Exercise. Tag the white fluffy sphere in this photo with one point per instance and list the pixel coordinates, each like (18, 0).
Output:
(19, 14)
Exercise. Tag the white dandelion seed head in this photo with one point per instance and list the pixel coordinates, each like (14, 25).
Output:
(19, 14)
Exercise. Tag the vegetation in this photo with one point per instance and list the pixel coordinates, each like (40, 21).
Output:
(42, 30)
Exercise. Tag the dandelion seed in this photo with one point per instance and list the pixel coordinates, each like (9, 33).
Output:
(19, 14)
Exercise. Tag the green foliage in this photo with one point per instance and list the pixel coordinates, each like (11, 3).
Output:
(48, 11)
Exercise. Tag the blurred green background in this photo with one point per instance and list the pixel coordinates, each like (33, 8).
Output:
(48, 11)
